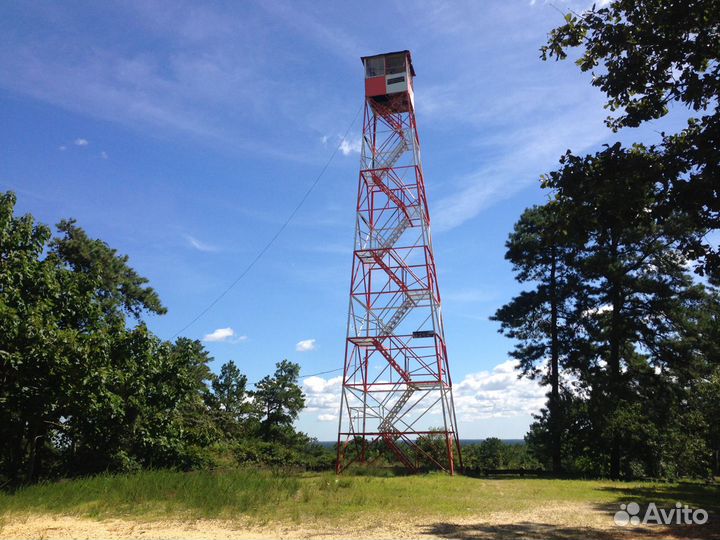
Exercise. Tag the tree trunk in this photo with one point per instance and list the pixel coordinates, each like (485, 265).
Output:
(555, 420)
(31, 468)
(614, 365)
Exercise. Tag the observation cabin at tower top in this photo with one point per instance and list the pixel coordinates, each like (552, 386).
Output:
(389, 80)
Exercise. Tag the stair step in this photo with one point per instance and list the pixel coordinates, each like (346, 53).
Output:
(412, 298)
(388, 423)
(392, 156)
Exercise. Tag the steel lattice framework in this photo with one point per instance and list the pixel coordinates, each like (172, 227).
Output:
(396, 383)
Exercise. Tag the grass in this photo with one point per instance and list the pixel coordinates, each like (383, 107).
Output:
(262, 496)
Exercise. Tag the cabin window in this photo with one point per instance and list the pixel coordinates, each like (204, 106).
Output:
(375, 67)
(395, 63)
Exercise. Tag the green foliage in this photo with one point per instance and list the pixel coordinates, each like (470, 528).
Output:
(641, 363)
(303, 454)
(652, 54)
(83, 391)
(431, 449)
(230, 404)
(492, 453)
(279, 399)
(543, 320)
(637, 327)
(112, 283)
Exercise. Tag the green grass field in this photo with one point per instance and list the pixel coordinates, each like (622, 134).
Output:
(263, 496)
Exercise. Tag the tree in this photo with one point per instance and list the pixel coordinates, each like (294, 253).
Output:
(116, 287)
(280, 400)
(634, 282)
(230, 390)
(231, 401)
(542, 252)
(82, 391)
(27, 340)
(431, 449)
(86, 387)
(655, 53)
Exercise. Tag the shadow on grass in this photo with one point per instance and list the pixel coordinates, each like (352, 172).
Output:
(545, 531)
(694, 494)
(665, 496)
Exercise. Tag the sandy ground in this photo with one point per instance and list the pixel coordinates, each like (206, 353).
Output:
(561, 522)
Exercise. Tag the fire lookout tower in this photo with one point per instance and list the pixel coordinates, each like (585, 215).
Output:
(396, 382)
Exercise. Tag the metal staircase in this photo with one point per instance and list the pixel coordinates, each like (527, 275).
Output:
(390, 158)
(389, 357)
(373, 255)
(376, 177)
(412, 299)
(390, 433)
(396, 233)
(388, 422)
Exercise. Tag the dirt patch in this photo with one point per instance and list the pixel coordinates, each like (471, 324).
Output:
(562, 522)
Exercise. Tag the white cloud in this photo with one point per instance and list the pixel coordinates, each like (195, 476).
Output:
(80, 142)
(223, 334)
(305, 345)
(104, 154)
(497, 393)
(200, 246)
(62, 147)
(348, 147)
(322, 396)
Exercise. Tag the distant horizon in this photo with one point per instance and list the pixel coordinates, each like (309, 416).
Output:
(462, 441)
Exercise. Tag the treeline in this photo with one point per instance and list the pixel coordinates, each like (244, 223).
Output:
(621, 318)
(493, 454)
(85, 387)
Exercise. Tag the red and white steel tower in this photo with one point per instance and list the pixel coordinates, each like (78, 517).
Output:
(396, 382)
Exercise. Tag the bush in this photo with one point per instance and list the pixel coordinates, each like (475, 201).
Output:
(310, 455)
(492, 453)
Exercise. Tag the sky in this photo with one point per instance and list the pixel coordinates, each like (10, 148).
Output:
(184, 135)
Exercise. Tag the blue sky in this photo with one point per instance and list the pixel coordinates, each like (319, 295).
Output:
(184, 134)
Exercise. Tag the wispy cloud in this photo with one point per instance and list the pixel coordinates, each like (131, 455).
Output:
(469, 296)
(311, 26)
(188, 91)
(351, 146)
(305, 345)
(81, 142)
(223, 335)
(104, 154)
(200, 246)
(526, 153)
